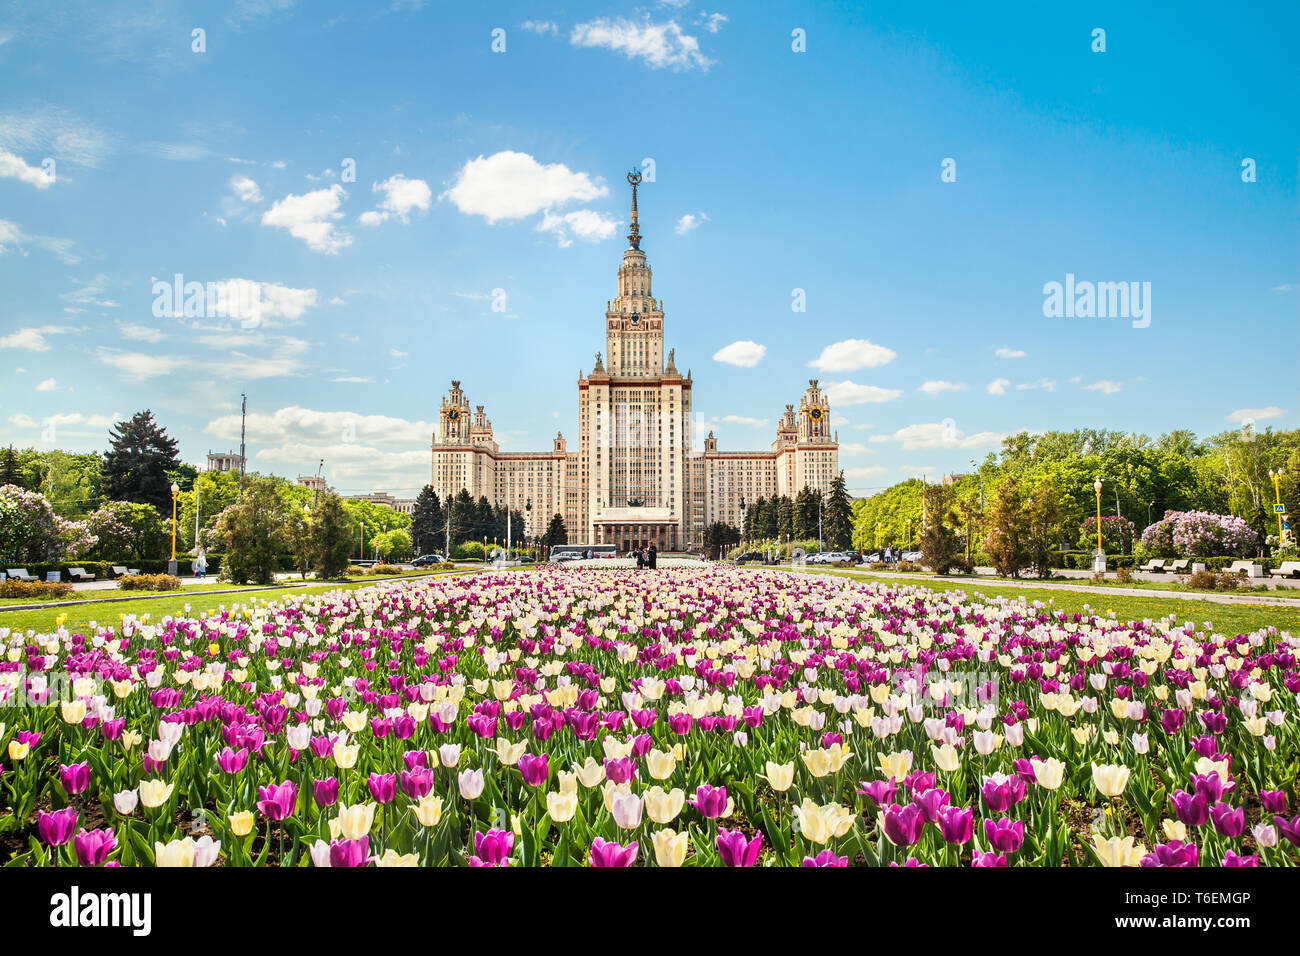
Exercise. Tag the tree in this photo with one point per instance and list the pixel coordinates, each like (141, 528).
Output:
(718, 537)
(837, 520)
(1007, 539)
(126, 530)
(331, 536)
(766, 521)
(426, 521)
(940, 544)
(462, 518)
(555, 534)
(394, 544)
(250, 533)
(806, 508)
(11, 472)
(139, 459)
(785, 518)
(297, 537)
(1045, 521)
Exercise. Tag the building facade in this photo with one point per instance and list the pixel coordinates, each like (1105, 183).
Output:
(634, 477)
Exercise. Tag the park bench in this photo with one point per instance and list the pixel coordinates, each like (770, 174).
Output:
(1288, 569)
(121, 571)
(1155, 564)
(1180, 566)
(1248, 568)
(20, 574)
(80, 574)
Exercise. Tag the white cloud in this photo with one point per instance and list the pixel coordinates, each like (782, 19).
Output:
(541, 27)
(65, 419)
(855, 448)
(851, 355)
(401, 196)
(586, 224)
(688, 222)
(56, 133)
(1106, 386)
(1046, 384)
(397, 353)
(1256, 414)
(32, 339)
(937, 435)
(49, 385)
(140, 333)
(998, 386)
(744, 353)
(513, 185)
(12, 166)
(297, 424)
(877, 439)
(137, 365)
(863, 473)
(937, 387)
(286, 302)
(245, 189)
(1007, 353)
(851, 393)
(711, 21)
(312, 217)
(352, 379)
(659, 45)
(745, 420)
(12, 238)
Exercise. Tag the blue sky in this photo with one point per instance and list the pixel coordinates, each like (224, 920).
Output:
(774, 171)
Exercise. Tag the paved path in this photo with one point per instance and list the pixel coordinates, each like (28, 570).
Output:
(974, 583)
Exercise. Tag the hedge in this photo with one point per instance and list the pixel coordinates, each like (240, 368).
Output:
(103, 570)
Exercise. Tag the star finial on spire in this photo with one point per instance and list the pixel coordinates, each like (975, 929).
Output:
(634, 234)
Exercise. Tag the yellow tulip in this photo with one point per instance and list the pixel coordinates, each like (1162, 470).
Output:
(780, 776)
(393, 858)
(428, 810)
(354, 720)
(175, 853)
(241, 824)
(945, 758)
(663, 807)
(1174, 829)
(74, 711)
(1110, 779)
(1049, 773)
(18, 751)
(670, 847)
(590, 773)
(355, 821)
(896, 765)
(561, 806)
(819, 824)
(154, 793)
(345, 757)
(509, 753)
(568, 782)
(1118, 851)
(660, 764)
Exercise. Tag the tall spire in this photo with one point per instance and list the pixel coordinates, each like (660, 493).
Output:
(634, 235)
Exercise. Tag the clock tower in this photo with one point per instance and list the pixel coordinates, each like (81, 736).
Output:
(634, 320)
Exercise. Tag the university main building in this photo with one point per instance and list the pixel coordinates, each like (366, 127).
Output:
(634, 479)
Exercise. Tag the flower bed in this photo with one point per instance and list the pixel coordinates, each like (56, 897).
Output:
(609, 717)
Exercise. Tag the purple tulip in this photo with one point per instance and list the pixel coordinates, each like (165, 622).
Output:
(1274, 801)
(1002, 793)
(606, 853)
(903, 825)
(1004, 834)
(825, 858)
(1289, 828)
(957, 825)
(710, 801)
(74, 777)
(94, 846)
(534, 769)
(880, 792)
(56, 827)
(620, 771)
(736, 850)
(345, 853)
(988, 859)
(417, 783)
(383, 787)
(1229, 821)
(1210, 786)
(931, 803)
(326, 792)
(492, 848)
(1173, 853)
(680, 723)
(911, 864)
(1232, 859)
(232, 761)
(1191, 808)
(277, 802)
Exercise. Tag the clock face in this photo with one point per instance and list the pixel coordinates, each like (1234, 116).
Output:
(636, 318)
(816, 413)
(453, 415)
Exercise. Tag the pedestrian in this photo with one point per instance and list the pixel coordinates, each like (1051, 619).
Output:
(200, 565)
(654, 556)
(640, 559)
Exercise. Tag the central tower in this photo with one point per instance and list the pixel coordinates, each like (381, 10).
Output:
(634, 319)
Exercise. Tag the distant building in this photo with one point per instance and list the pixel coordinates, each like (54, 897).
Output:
(313, 483)
(225, 461)
(405, 505)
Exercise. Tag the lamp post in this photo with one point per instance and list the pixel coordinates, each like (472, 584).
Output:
(1099, 562)
(171, 565)
(1277, 494)
(742, 521)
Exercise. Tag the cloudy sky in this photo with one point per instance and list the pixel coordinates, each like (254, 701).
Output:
(375, 199)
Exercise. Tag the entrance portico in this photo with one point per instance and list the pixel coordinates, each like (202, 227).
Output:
(629, 529)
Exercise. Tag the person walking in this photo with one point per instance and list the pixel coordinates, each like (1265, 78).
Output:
(640, 559)
(200, 564)
(654, 556)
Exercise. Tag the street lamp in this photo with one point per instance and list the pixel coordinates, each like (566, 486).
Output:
(1099, 562)
(176, 493)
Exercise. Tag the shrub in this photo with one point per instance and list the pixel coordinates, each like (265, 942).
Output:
(354, 570)
(1099, 577)
(385, 569)
(1124, 576)
(908, 566)
(1198, 534)
(1116, 534)
(35, 590)
(149, 582)
(1203, 580)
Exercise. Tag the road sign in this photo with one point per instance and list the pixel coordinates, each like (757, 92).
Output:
(1279, 509)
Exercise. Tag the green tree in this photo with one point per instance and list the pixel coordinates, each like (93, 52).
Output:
(837, 520)
(10, 472)
(785, 518)
(126, 530)
(138, 463)
(1045, 524)
(718, 537)
(394, 545)
(297, 537)
(940, 543)
(331, 536)
(555, 534)
(250, 533)
(427, 522)
(1008, 529)
(806, 509)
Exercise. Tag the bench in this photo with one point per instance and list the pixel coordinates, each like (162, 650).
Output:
(1247, 568)
(1155, 564)
(121, 571)
(1287, 570)
(80, 574)
(20, 574)
(1179, 567)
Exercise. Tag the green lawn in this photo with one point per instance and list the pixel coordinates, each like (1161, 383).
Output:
(190, 602)
(1226, 618)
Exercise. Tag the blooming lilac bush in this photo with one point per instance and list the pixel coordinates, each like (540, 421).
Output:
(1116, 534)
(613, 718)
(1199, 534)
(31, 531)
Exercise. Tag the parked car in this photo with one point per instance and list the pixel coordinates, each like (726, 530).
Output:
(426, 559)
(748, 556)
